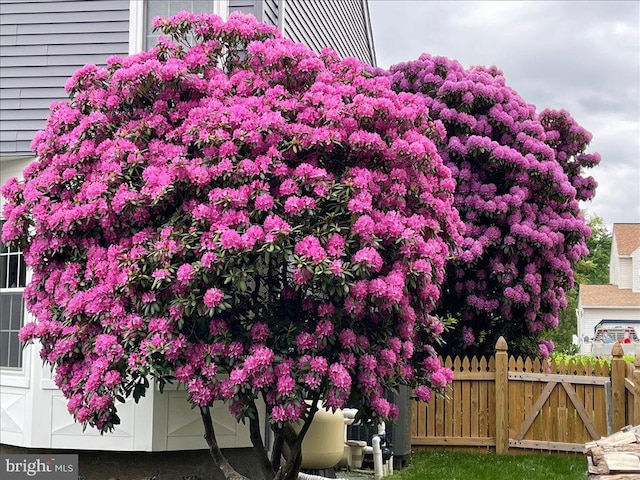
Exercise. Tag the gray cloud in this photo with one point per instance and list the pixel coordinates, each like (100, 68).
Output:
(582, 56)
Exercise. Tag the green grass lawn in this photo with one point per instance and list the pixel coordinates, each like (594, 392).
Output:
(439, 465)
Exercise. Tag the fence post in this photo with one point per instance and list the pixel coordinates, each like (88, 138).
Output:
(502, 392)
(636, 391)
(618, 396)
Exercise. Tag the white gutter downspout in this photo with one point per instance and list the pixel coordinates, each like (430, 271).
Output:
(282, 12)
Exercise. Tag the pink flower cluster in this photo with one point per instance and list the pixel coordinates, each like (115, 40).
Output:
(242, 207)
(519, 177)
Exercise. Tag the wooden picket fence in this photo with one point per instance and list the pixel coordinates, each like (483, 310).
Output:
(505, 402)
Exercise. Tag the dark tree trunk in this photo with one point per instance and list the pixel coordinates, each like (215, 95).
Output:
(276, 451)
(218, 459)
(258, 446)
(290, 470)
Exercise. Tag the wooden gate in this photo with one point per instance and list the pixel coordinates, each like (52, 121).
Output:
(557, 406)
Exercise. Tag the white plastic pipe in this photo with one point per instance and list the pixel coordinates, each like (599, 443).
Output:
(378, 472)
(349, 413)
(308, 476)
(349, 418)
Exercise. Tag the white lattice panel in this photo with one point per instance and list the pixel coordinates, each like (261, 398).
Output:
(12, 414)
(62, 423)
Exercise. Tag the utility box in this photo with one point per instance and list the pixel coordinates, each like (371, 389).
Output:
(398, 433)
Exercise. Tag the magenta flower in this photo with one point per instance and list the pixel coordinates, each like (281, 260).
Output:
(213, 297)
(185, 273)
(423, 393)
(519, 176)
(467, 335)
(161, 274)
(264, 202)
(340, 377)
(310, 247)
(277, 216)
(112, 378)
(370, 257)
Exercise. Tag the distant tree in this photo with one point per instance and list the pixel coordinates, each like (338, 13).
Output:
(520, 177)
(592, 270)
(231, 203)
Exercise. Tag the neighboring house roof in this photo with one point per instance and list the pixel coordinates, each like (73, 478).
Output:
(608, 296)
(627, 237)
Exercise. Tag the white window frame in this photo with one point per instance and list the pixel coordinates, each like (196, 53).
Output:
(137, 27)
(18, 376)
(10, 376)
(6, 292)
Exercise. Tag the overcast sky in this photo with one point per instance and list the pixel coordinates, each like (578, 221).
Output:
(580, 56)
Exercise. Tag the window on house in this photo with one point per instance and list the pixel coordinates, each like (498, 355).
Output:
(13, 278)
(164, 8)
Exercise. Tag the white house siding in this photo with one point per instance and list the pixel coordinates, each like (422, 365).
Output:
(625, 279)
(636, 270)
(43, 43)
(614, 264)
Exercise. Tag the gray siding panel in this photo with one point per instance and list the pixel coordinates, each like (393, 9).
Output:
(101, 50)
(66, 37)
(43, 43)
(9, 30)
(34, 71)
(51, 6)
(15, 147)
(28, 103)
(23, 114)
(38, 18)
(41, 93)
(24, 83)
(49, 28)
(50, 60)
(301, 27)
(251, 7)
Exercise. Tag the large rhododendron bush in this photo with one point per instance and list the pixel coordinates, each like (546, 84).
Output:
(520, 176)
(234, 212)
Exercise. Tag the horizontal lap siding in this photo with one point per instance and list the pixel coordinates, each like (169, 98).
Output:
(43, 44)
(264, 10)
(250, 7)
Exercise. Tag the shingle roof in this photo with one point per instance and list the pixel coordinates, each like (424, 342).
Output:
(627, 237)
(608, 296)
